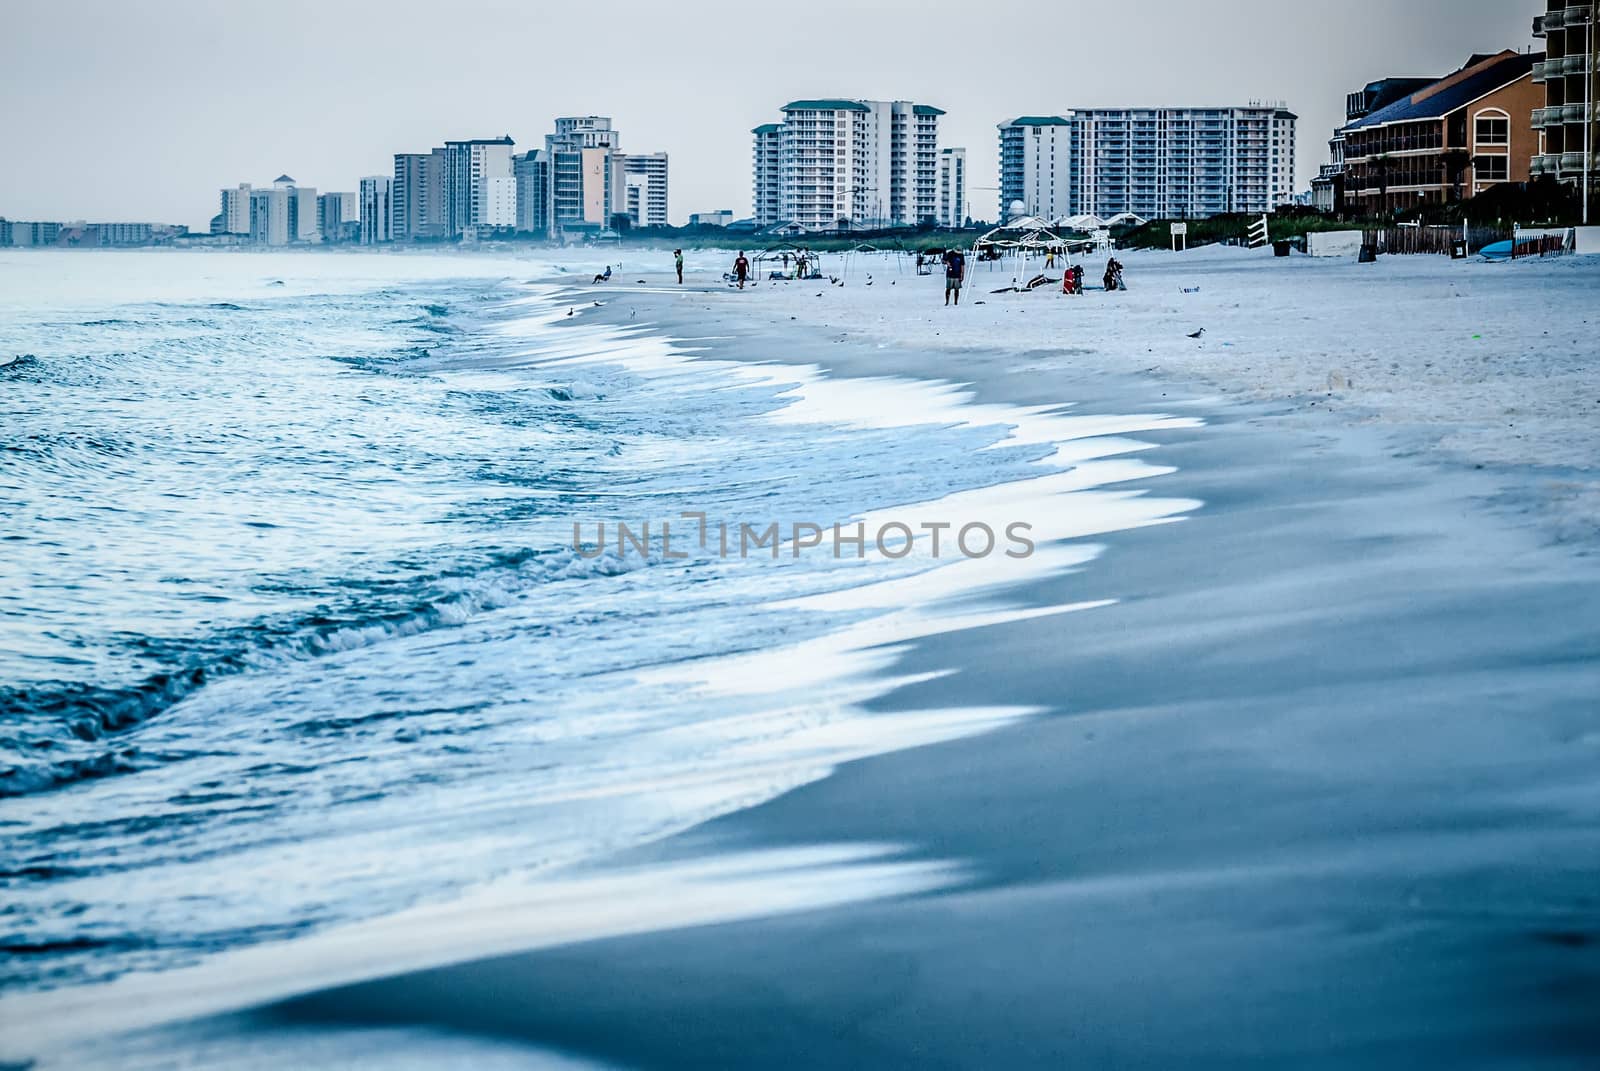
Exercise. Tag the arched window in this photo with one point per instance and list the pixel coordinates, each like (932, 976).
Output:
(1491, 128)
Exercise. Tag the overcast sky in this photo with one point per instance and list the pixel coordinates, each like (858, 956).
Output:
(120, 110)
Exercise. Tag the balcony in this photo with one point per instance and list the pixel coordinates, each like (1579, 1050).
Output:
(1574, 64)
(1574, 15)
(1571, 161)
(1544, 68)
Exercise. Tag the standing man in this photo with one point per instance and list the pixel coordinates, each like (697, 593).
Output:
(741, 269)
(955, 266)
(677, 262)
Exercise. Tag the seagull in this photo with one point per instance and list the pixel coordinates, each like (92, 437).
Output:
(571, 311)
(1197, 334)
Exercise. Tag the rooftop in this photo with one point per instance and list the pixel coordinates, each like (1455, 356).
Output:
(1037, 120)
(1481, 76)
(825, 104)
(926, 109)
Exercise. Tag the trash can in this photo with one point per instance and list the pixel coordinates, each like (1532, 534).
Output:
(1368, 255)
(1458, 250)
(1281, 249)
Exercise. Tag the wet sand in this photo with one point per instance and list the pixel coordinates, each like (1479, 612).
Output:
(1318, 791)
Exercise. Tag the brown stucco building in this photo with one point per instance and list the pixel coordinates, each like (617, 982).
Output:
(1457, 136)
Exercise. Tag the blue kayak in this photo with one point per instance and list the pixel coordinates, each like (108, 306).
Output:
(1496, 251)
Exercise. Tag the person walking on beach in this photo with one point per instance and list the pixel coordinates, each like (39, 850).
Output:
(677, 262)
(741, 269)
(955, 266)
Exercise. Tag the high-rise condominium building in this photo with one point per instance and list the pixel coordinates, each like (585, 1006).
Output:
(767, 167)
(283, 213)
(421, 209)
(1035, 153)
(1570, 118)
(235, 215)
(644, 188)
(480, 190)
(532, 173)
(337, 216)
(583, 174)
(857, 164)
(1153, 162)
(952, 188)
(377, 209)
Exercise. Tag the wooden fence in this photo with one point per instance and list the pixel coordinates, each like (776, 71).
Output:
(1438, 239)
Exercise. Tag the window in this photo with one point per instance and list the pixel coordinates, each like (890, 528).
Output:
(1492, 168)
(1492, 130)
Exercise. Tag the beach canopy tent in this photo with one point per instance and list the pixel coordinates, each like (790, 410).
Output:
(881, 250)
(1026, 236)
(1088, 222)
(784, 257)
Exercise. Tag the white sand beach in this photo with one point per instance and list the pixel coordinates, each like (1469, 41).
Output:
(1309, 780)
(1487, 364)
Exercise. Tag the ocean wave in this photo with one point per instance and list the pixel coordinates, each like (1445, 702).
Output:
(57, 733)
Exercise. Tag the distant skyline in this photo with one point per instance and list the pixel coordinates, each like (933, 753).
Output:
(117, 111)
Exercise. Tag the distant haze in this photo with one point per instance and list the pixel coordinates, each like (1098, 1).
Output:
(111, 110)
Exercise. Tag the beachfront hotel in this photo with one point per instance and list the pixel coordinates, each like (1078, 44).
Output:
(479, 188)
(376, 209)
(235, 215)
(269, 215)
(1570, 71)
(453, 190)
(418, 196)
(952, 188)
(1035, 153)
(766, 169)
(1153, 162)
(338, 217)
(532, 172)
(581, 174)
(643, 188)
(1453, 138)
(860, 164)
(1327, 189)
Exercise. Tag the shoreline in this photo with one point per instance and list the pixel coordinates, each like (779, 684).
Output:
(1270, 816)
(1313, 791)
